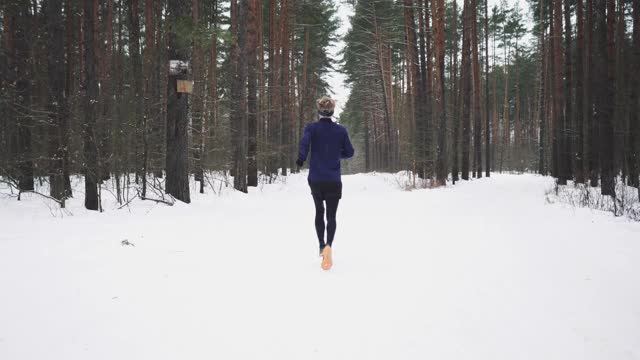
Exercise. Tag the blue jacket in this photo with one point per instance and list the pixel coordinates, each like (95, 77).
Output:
(329, 143)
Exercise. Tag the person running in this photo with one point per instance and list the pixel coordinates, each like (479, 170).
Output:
(329, 143)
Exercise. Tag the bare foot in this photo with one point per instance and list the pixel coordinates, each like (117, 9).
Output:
(327, 261)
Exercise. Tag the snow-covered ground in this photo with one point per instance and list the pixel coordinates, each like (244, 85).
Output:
(481, 270)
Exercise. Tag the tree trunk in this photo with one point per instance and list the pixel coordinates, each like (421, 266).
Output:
(487, 130)
(252, 46)
(136, 63)
(303, 86)
(291, 143)
(568, 130)
(517, 138)
(607, 176)
(634, 112)
(284, 88)
(197, 98)
(413, 83)
(71, 18)
(496, 120)
(90, 100)
(542, 118)
(118, 141)
(262, 90)
(367, 146)
(455, 79)
(438, 26)
(386, 95)
(273, 80)
(156, 139)
(20, 76)
(592, 74)
(620, 127)
(104, 51)
(177, 156)
(239, 93)
(212, 83)
(506, 111)
(477, 127)
(558, 94)
(581, 78)
(466, 88)
(56, 98)
(150, 100)
(422, 97)
(428, 100)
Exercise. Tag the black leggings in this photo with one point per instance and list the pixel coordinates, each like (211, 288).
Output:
(331, 196)
(329, 193)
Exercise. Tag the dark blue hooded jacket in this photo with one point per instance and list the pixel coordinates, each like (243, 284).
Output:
(329, 143)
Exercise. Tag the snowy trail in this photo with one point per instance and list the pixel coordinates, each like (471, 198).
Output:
(482, 270)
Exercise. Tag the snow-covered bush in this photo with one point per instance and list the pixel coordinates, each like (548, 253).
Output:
(408, 180)
(625, 203)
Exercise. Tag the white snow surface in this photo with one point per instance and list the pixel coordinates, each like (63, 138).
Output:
(480, 270)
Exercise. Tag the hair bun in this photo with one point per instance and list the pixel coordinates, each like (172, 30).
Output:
(325, 103)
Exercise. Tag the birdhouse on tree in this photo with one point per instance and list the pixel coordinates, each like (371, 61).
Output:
(178, 68)
(185, 86)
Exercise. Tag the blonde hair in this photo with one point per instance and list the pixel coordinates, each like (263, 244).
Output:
(325, 103)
